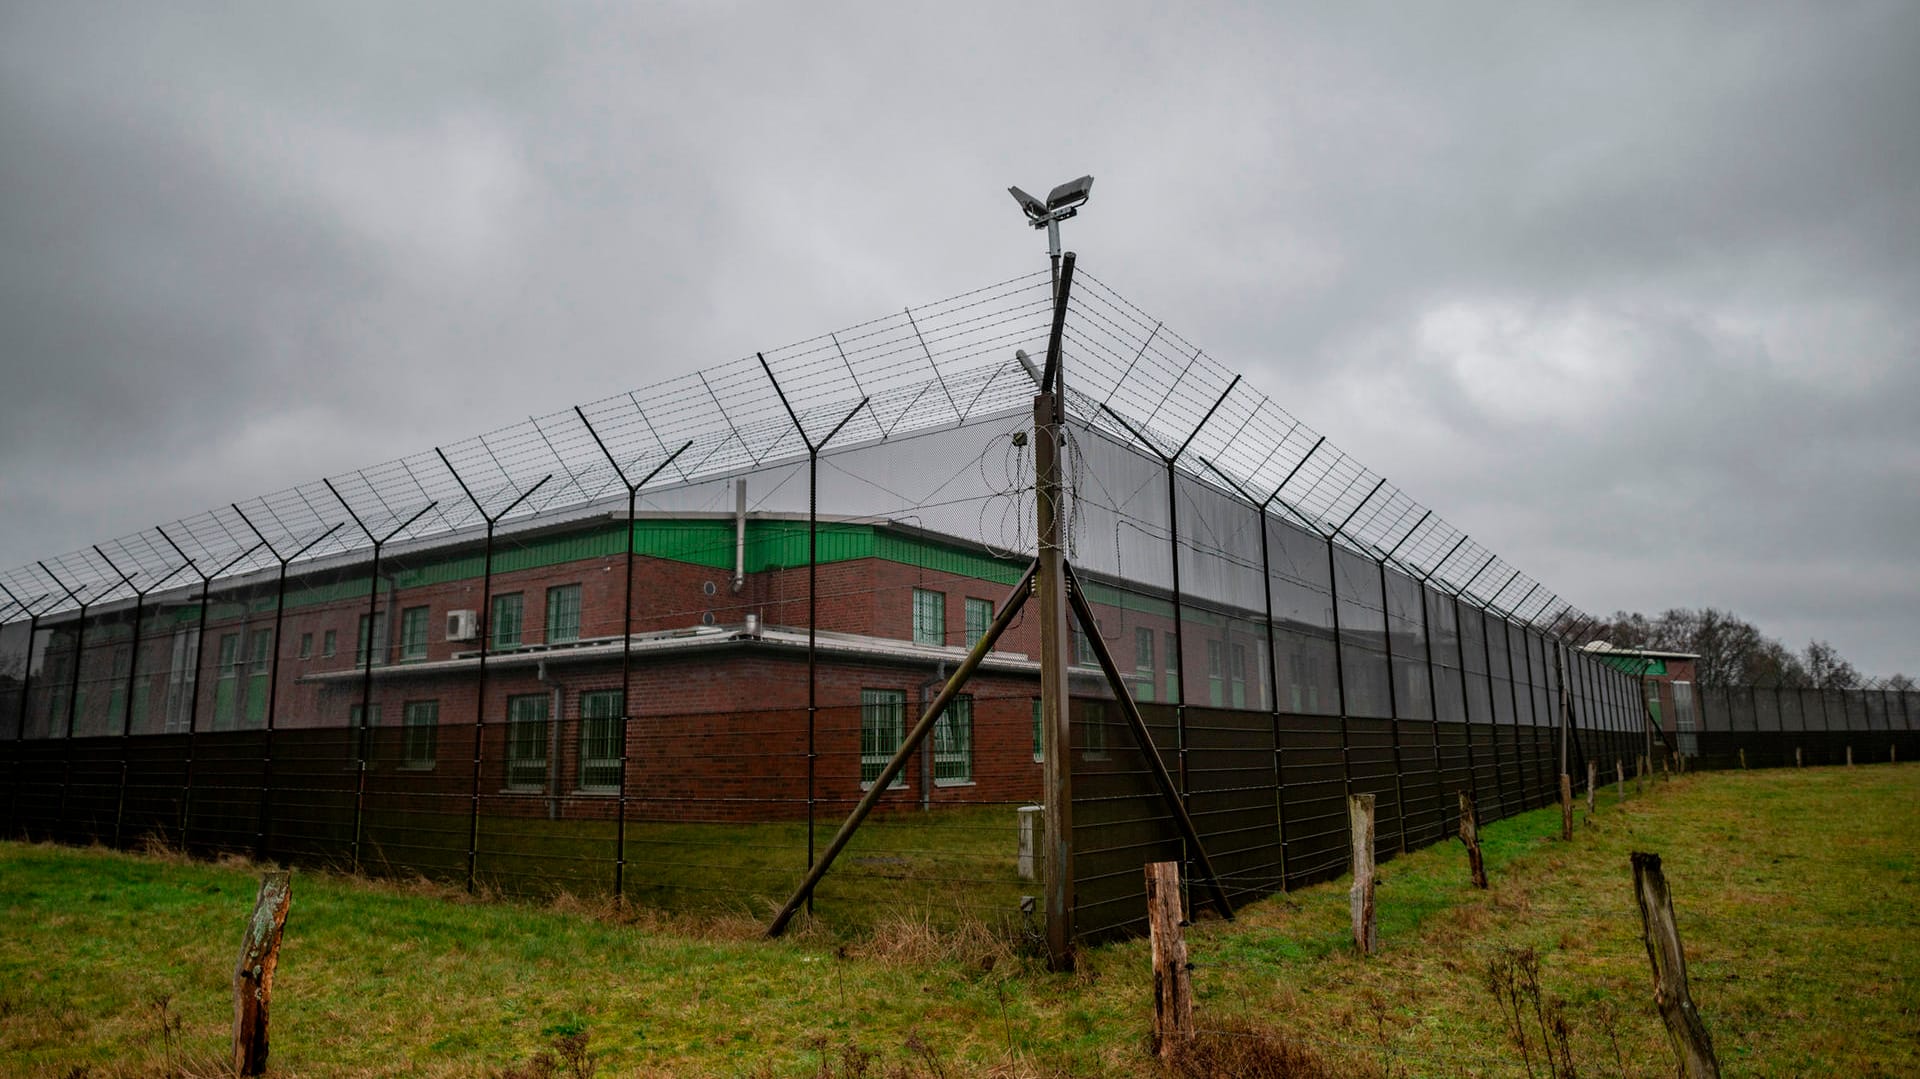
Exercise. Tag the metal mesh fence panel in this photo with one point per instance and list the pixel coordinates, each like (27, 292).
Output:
(1119, 821)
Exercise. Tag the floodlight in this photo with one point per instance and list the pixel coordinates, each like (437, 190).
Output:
(1071, 193)
(1033, 207)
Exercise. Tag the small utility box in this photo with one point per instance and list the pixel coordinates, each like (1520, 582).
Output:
(1030, 826)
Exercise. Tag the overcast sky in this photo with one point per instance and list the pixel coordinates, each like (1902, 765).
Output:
(1630, 292)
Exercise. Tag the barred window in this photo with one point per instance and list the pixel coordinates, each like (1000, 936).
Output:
(979, 617)
(1216, 688)
(527, 742)
(1142, 664)
(953, 743)
(929, 617)
(883, 723)
(373, 632)
(563, 614)
(420, 736)
(413, 633)
(509, 614)
(601, 714)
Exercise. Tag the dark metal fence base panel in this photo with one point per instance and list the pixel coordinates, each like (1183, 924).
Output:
(1316, 809)
(315, 776)
(1370, 758)
(1120, 821)
(1455, 775)
(1426, 819)
(1230, 767)
(227, 774)
(1546, 758)
(156, 779)
(416, 816)
(93, 790)
(37, 801)
(1488, 805)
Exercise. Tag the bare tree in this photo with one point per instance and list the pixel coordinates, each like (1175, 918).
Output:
(1827, 669)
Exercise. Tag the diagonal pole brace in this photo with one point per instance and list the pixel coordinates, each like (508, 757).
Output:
(1144, 738)
(908, 746)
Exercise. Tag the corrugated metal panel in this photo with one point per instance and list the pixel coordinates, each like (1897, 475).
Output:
(770, 545)
(331, 592)
(780, 544)
(934, 556)
(703, 543)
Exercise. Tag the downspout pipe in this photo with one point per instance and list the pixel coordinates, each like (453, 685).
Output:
(739, 534)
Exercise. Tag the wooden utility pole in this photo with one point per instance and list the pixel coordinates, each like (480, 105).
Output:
(1050, 583)
(1692, 1046)
(1172, 981)
(1366, 937)
(253, 975)
(1470, 835)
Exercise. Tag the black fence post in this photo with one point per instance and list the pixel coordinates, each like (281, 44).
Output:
(20, 713)
(73, 685)
(486, 646)
(1173, 552)
(1273, 667)
(1433, 684)
(133, 680)
(1393, 702)
(626, 640)
(376, 641)
(263, 831)
(813, 589)
(199, 654)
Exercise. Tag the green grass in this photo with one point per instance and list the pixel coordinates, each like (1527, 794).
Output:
(955, 862)
(1797, 894)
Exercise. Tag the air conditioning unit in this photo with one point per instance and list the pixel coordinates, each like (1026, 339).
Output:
(463, 625)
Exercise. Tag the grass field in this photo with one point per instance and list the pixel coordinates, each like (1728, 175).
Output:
(1797, 892)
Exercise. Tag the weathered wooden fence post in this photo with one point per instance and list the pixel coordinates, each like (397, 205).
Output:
(1360, 899)
(1743, 759)
(1799, 761)
(1849, 756)
(1172, 981)
(1691, 1044)
(253, 975)
(1470, 835)
(1566, 807)
(1593, 779)
(1620, 779)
